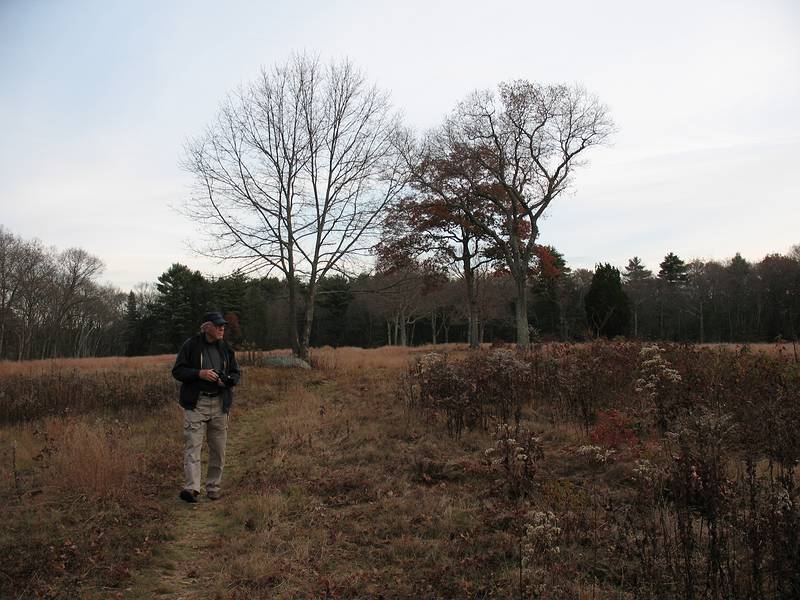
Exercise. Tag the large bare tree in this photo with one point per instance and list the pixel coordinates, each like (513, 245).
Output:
(293, 174)
(515, 152)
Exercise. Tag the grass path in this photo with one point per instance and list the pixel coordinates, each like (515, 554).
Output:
(331, 490)
(187, 565)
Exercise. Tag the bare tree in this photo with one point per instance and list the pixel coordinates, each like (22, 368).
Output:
(74, 286)
(36, 293)
(293, 174)
(93, 322)
(12, 251)
(515, 151)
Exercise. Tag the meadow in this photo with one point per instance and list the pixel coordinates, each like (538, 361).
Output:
(605, 470)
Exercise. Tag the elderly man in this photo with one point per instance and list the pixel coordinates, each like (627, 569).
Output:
(207, 369)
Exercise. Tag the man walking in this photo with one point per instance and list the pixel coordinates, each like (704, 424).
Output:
(207, 369)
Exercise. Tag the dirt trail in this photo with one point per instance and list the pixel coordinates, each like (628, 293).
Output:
(185, 566)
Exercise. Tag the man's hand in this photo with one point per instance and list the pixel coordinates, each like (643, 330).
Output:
(209, 375)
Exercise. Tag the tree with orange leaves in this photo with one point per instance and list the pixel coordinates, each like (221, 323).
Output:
(427, 225)
(503, 158)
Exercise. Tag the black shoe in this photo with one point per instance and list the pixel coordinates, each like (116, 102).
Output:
(188, 495)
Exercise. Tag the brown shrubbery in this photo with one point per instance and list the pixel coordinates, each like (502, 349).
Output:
(594, 471)
(471, 392)
(693, 452)
(78, 475)
(27, 396)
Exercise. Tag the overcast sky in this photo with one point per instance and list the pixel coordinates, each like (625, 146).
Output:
(97, 99)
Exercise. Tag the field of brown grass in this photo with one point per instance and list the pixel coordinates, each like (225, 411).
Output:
(336, 486)
(123, 364)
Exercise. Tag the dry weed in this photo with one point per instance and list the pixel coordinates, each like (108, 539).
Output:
(91, 459)
(123, 364)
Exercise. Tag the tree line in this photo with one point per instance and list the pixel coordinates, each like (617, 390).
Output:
(418, 302)
(308, 173)
(52, 304)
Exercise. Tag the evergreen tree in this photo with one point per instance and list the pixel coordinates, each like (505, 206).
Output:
(739, 296)
(672, 278)
(673, 269)
(700, 293)
(638, 284)
(779, 282)
(133, 319)
(264, 313)
(333, 298)
(607, 305)
(183, 297)
(549, 293)
(636, 271)
(228, 292)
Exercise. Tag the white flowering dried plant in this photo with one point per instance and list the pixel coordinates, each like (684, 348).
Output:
(515, 453)
(644, 471)
(597, 454)
(540, 538)
(656, 384)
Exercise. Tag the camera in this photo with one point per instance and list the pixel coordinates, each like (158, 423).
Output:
(224, 379)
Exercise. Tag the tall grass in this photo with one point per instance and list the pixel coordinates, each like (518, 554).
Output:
(30, 395)
(92, 459)
(709, 436)
(124, 364)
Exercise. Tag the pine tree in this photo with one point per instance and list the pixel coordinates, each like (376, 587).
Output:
(607, 305)
(738, 291)
(636, 271)
(548, 288)
(672, 276)
(673, 269)
(184, 296)
(132, 326)
(638, 281)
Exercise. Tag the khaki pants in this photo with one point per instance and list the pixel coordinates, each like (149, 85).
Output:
(207, 420)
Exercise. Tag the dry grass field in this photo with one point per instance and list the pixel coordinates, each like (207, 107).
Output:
(382, 474)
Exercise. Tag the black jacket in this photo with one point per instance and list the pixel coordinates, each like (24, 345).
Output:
(187, 368)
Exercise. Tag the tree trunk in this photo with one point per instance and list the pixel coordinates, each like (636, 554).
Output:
(474, 330)
(401, 323)
(293, 334)
(702, 326)
(472, 300)
(20, 345)
(521, 311)
(308, 321)
(433, 327)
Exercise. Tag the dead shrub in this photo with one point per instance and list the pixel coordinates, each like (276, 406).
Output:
(93, 460)
(34, 395)
(474, 392)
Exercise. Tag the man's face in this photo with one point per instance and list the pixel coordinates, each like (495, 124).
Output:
(214, 333)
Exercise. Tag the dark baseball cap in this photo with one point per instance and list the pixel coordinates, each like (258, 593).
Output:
(215, 317)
